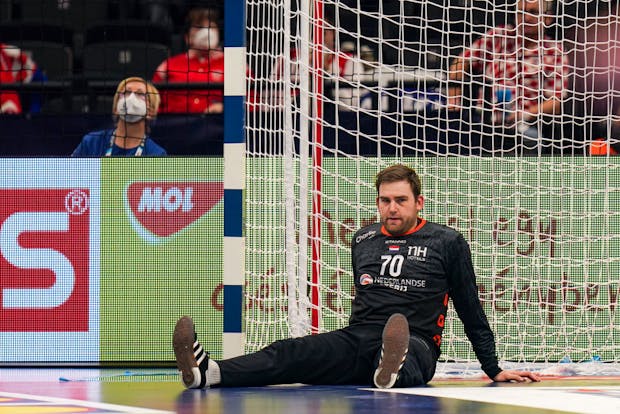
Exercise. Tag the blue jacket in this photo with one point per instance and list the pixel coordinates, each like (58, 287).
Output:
(97, 143)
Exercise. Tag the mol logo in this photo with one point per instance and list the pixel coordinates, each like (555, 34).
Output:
(44, 260)
(159, 210)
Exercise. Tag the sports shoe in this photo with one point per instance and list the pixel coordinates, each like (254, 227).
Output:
(192, 360)
(393, 351)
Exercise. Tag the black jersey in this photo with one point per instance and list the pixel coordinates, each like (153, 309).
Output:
(414, 274)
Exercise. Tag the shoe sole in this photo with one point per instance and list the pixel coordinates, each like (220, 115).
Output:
(393, 351)
(183, 343)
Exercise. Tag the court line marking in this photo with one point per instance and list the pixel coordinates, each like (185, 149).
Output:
(85, 404)
(583, 400)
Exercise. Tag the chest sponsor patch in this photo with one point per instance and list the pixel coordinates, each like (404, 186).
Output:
(366, 279)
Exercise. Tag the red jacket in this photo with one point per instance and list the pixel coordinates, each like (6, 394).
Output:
(186, 69)
(15, 66)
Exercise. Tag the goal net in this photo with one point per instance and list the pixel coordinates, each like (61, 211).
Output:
(514, 141)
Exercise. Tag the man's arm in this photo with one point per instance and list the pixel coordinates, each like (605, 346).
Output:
(464, 294)
(456, 73)
(554, 85)
(550, 106)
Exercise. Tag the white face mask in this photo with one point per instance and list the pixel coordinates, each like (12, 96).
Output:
(206, 38)
(131, 109)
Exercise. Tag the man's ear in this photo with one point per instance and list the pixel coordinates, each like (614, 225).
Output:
(420, 201)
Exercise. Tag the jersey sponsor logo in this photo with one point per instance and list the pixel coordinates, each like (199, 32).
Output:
(159, 210)
(394, 248)
(367, 235)
(401, 284)
(388, 241)
(44, 260)
(417, 253)
(366, 279)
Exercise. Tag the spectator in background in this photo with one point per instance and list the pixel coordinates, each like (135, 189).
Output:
(15, 67)
(336, 62)
(597, 81)
(341, 68)
(520, 64)
(203, 62)
(135, 104)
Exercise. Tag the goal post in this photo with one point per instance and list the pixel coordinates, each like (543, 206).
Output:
(543, 226)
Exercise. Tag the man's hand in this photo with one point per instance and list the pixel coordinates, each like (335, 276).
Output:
(454, 98)
(516, 376)
(215, 108)
(519, 116)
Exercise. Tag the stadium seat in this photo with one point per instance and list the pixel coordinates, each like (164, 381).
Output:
(75, 14)
(126, 31)
(48, 45)
(5, 11)
(118, 60)
(115, 50)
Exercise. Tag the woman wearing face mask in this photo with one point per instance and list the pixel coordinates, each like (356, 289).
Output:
(203, 62)
(135, 103)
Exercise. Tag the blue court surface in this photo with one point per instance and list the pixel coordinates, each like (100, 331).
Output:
(58, 390)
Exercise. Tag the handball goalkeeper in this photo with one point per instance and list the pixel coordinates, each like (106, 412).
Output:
(405, 270)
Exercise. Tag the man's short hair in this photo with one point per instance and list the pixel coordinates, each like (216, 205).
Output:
(400, 172)
(195, 17)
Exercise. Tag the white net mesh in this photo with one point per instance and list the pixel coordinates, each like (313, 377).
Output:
(500, 106)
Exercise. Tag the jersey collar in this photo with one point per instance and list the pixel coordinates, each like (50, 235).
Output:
(421, 223)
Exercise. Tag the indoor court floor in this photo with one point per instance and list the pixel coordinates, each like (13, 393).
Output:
(86, 390)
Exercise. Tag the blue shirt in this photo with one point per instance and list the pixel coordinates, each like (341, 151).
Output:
(97, 143)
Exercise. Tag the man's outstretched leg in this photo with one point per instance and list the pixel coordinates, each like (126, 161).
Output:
(393, 351)
(197, 369)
